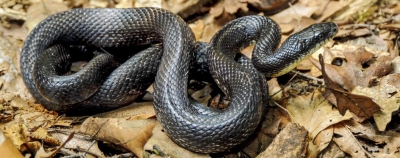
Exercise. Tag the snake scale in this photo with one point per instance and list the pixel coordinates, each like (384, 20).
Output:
(107, 83)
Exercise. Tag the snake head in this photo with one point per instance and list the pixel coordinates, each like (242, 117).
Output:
(300, 45)
(313, 37)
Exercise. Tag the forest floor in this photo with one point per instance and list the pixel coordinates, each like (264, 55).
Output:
(346, 107)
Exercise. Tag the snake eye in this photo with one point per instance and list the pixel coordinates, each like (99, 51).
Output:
(320, 37)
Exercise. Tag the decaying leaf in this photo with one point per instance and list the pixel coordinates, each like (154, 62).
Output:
(42, 134)
(387, 94)
(131, 134)
(316, 114)
(44, 154)
(16, 133)
(347, 142)
(366, 135)
(361, 106)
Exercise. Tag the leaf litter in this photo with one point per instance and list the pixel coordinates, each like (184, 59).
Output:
(354, 112)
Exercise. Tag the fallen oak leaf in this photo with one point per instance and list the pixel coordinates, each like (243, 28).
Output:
(386, 93)
(347, 142)
(43, 154)
(361, 106)
(130, 134)
(350, 66)
(317, 116)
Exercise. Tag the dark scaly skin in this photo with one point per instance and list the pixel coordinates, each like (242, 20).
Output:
(188, 123)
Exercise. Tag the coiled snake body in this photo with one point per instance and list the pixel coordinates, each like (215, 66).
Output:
(45, 60)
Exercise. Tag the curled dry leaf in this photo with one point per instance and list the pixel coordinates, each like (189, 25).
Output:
(321, 141)
(365, 135)
(316, 114)
(41, 153)
(131, 134)
(387, 94)
(361, 106)
(374, 141)
(42, 134)
(268, 6)
(347, 142)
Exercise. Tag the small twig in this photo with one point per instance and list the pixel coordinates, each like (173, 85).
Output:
(307, 76)
(286, 110)
(283, 86)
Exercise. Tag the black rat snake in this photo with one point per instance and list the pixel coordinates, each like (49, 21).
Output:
(47, 53)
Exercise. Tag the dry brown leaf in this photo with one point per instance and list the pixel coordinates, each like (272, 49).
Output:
(184, 8)
(197, 28)
(358, 65)
(354, 32)
(268, 6)
(274, 89)
(216, 18)
(330, 9)
(316, 114)
(321, 141)
(78, 143)
(16, 133)
(39, 11)
(293, 13)
(7, 148)
(394, 27)
(41, 153)
(42, 134)
(148, 3)
(379, 144)
(142, 109)
(361, 106)
(125, 4)
(387, 94)
(347, 142)
(167, 146)
(351, 9)
(131, 134)
(203, 95)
